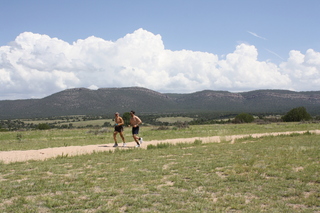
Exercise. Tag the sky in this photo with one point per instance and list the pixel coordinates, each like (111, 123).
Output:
(169, 46)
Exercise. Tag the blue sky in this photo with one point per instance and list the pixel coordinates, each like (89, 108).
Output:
(200, 45)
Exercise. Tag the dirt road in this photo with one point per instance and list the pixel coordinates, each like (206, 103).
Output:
(42, 154)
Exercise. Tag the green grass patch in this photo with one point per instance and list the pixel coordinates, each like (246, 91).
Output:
(174, 119)
(159, 146)
(270, 174)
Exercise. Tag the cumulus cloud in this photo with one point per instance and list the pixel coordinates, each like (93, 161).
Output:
(245, 72)
(303, 69)
(34, 66)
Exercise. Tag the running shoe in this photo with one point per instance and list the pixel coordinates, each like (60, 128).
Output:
(124, 145)
(138, 145)
(115, 145)
(140, 140)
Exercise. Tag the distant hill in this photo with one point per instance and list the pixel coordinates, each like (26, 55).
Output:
(82, 101)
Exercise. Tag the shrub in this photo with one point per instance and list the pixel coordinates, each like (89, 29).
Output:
(19, 136)
(162, 128)
(197, 142)
(243, 118)
(182, 125)
(296, 114)
(43, 126)
(106, 124)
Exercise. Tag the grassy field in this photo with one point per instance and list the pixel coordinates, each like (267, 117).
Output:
(174, 119)
(38, 139)
(98, 122)
(269, 174)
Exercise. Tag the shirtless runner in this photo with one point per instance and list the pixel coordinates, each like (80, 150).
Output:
(135, 122)
(118, 129)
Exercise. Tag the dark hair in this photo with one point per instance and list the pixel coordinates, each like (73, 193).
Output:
(133, 112)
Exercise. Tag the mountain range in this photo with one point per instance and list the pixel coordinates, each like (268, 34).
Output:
(82, 101)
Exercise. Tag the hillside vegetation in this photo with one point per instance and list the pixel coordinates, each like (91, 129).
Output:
(106, 101)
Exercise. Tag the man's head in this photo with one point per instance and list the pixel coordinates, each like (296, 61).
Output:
(132, 112)
(116, 114)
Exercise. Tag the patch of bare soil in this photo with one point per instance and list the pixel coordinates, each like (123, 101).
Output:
(42, 154)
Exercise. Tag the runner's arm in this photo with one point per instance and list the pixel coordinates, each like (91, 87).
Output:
(121, 122)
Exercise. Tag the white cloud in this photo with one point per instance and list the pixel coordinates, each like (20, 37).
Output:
(36, 65)
(93, 87)
(243, 71)
(304, 70)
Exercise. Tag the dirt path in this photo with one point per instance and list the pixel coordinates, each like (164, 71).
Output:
(42, 154)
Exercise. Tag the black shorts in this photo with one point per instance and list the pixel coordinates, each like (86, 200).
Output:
(135, 130)
(118, 128)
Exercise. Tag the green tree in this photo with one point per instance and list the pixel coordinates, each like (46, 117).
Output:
(126, 118)
(243, 118)
(296, 114)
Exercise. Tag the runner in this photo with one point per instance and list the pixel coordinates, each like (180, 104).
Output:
(118, 129)
(135, 121)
